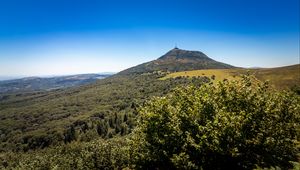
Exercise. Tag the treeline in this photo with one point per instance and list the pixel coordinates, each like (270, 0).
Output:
(101, 125)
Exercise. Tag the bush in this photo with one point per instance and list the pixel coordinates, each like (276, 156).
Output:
(235, 125)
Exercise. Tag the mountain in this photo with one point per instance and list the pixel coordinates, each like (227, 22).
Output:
(103, 109)
(178, 60)
(28, 84)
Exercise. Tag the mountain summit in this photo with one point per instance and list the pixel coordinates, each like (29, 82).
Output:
(178, 60)
(179, 54)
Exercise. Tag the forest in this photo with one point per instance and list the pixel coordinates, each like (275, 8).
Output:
(106, 109)
(237, 124)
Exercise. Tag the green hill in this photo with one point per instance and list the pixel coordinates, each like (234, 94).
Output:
(178, 60)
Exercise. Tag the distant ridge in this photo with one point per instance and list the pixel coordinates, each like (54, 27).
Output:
(178, 60)
(28, 84)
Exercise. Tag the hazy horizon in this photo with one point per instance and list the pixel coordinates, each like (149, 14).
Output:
(54, 37)
(3, 78)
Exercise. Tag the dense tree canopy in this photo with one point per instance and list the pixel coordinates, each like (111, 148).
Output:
(237, 124)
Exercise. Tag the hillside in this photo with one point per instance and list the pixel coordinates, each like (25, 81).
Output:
(280, 78)
(103, 109)
(30, 84)
(178, 60)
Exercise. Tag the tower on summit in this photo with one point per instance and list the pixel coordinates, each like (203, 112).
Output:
(175, 46)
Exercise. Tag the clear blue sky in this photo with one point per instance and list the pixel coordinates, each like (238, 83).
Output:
(52, 37)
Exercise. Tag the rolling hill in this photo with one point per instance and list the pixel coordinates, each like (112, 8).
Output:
(103, 109)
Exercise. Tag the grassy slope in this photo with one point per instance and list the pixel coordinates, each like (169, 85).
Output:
(280, 78)
(220, 74)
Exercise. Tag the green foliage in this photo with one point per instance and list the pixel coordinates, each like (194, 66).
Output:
(98, 154)
(296, 89)
(236, 125)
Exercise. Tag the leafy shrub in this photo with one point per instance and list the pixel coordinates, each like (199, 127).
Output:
(236, 125)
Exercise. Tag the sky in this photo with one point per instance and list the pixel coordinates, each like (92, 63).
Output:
(60, 37)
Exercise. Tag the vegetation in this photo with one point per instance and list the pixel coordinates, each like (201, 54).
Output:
(146, 118)
(98, 154)
(236, 125)
(106, 108)
(280, 78)
(215, 74)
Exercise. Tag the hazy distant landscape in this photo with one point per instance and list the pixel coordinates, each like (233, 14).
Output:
(150, 85)
(30, 84)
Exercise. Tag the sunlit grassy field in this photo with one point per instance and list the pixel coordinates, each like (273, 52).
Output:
(219, 74)
(280, 78)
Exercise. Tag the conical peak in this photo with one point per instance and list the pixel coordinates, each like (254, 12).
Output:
(177, 53)
(178, 60)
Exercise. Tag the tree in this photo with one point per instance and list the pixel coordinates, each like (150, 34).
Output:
(213, 77)
(70, 134)
(236, 125)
